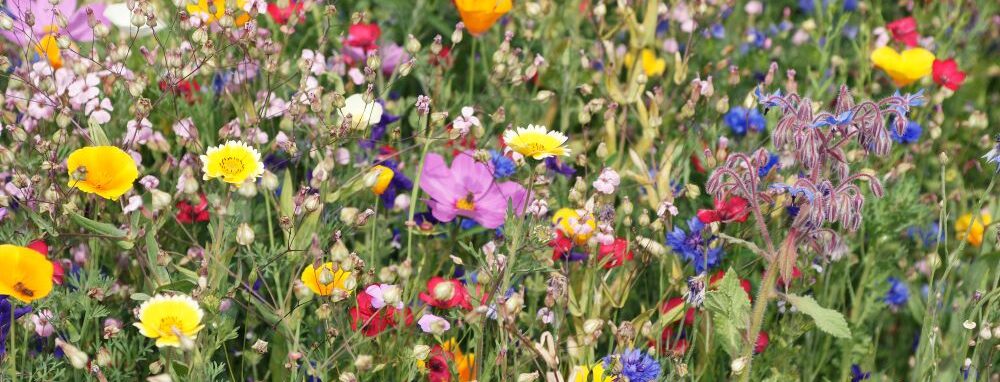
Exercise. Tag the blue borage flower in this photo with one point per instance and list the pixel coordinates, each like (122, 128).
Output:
(911, 134)
(843, 119)
(635, 366)
(793, 191)
(898, 293)
(554, 164)
(772, 161)
(993, 156)
(695, 247)
(740, 120)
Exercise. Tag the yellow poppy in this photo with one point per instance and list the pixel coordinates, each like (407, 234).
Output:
(536, 142)
(234, 162)
(966, 230)
(48, 47)
(590, 374)
(465, 364)
(383, 176)
(103, 170)
(324, 280)
(214, 11)
(167, 318)
(480, 15)
(913, 64)
(26, 275)
(651, 65)
(568, 221)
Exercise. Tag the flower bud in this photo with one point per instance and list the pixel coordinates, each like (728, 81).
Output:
(421, 352)
(412, 45)
(244, 234)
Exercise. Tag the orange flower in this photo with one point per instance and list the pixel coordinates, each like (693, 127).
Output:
(480, 15)
(27, 274)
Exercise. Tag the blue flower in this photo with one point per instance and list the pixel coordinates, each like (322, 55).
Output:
(926, 236)
(554, 164)
(694, 247)
(772, 160)
(636, 366)
(857, 375)
(502, 166)
(993, 156)
(6, 321)
(718, 31)
(850, 5)
(910, 135)
(898, 293)
(740, 120)
(840, 120)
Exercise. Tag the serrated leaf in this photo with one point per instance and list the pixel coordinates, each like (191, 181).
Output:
(827, 320)
(730, 309)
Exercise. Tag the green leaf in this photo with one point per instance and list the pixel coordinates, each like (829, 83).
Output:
(827, 320)
(730, 309)
(98, 227)
(97, 135)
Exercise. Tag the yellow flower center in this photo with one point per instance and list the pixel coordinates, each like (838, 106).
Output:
(231, 165)
(466, 203)
(168, 324)
(532, 148)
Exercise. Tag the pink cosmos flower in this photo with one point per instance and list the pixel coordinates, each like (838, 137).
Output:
(77, 27)
(468, 189)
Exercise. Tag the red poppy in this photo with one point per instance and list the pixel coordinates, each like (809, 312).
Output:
(188, 214)
(373, 321)
(561, 246)
(696, 163)
(363, 36)
(762, 340)
(281, 15)
(947, 74)
(905, 31)
(186, 88)
(617, 250)
(39, 246)
(733, 209)
(446, 294)
(678, 303)
(437, 365)
(57, 269)
(744, 283)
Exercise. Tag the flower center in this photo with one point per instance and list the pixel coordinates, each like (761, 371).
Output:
(20, 288)
(231, 165)
(466, 203)
(534, 147)
(168, 324)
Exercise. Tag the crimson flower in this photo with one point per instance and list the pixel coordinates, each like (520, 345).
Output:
(733, 209)
(678, 303)
(373, 321)
(281, 15)
(446, 294)
(796, 273)
(905, 31)
(762, 341)
(947, 74)
(617, 250)
(186, 88)
(189, 214)
(57, 269)
(669, 342)
(561, 246)
(437, 365)
(362, 35)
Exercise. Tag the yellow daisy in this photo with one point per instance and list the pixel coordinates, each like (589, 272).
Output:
(103, 170)
(383, 176)
(536, 142)
(26, 275)
(584, 374)
(567, 220)
(167, 318)
(234, 162)
(904, 68)
(324, 280)
(965, 229)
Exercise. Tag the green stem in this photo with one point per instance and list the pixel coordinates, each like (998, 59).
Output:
(764, 295)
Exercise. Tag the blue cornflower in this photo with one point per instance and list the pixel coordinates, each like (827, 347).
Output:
(911, 134)
(857, 375)
(898, 293)
(740, 120)
(502, 166)
(772, 160)
(694, 247)
(926, 236)
(636, 366)
(6, 321)
(809, 6)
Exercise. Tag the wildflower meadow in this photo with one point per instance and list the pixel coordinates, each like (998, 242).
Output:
(499, 190)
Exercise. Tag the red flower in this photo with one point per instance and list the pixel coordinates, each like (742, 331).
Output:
(281, 15)
(762, 340)
(57, 269)
(188, 214)
(733, 209)
(696, 162)
(437, 365)
(678, 303)
(186, 88)
(39, 246)
(446, 294)
(363, 35)
(669, 342)
(443, 58)
(947, 74)
(618, 251)
(905, 31)
(373, 321)
(796, 273)
(561, 246)
(744, 283)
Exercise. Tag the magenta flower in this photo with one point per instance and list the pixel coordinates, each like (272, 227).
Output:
(468, 189)
(44, 13)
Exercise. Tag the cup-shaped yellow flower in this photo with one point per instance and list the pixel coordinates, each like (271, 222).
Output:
(169, 319)
(465, 364)
(26, 274)
(971, 231)
(913, 64)
(536, 142)
(590, 374)
(48, 47)
(480, 15)
(651, 65)
(567, 221)
(234, 162)
(382, 177)
(103, 170)
(325, 279)
(211, 11)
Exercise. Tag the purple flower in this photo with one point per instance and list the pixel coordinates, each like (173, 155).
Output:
(857, 375)
(468, 189)
(635, 365)
(44, 13)
(898, 293)
(6, 321)
(399, 182)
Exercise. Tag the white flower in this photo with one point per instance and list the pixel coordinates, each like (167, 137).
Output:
(607, 182)
(121, 17)
(466, 121)
(362, 114)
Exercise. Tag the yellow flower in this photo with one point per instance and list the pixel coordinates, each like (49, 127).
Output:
(536, 142)
(26, 275)
(324, 280)
(383, 176)
(652, 65)
(103, 170)
(465, 364)
(215, 11)
(234, 162)
(581, 374)
(904, 68)
(975, 230)
(48, 47)
(168, 319)
(568, 221)
(480, 15)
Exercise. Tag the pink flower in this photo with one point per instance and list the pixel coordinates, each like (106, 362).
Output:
(466, 121)
(363, 35)
(383, 295)
(77, 27)
(468, 189)
(43, 323)
(607, 182)
(430, 323)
